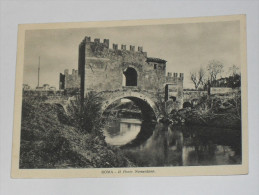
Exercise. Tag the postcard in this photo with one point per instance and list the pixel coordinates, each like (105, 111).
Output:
(158, 97)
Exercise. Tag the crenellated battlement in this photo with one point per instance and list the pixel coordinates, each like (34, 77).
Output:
(69, 81)
(175, 75)
(106, 44)
(74, 72)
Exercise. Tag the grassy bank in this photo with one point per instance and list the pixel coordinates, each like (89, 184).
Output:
(50, 140)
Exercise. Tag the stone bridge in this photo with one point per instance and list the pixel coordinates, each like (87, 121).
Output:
(145, 100)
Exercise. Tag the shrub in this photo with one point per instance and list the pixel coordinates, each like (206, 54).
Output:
(86, 114)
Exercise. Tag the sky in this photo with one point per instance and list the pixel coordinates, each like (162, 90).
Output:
(185, 47)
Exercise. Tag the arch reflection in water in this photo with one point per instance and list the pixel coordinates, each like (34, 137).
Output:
(122, 131)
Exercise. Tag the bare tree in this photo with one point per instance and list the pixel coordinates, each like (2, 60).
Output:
(234, 70)
(197, 77)
(214, 69)
(202, 74)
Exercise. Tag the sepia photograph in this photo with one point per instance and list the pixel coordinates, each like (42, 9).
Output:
(131, 98)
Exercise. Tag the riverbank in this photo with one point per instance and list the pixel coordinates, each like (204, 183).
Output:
(48, 140)
(213, 110)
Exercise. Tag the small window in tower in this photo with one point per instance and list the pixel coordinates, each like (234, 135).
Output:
(155, 66)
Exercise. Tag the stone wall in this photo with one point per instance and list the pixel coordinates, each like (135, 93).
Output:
(223, 90)
(174, 86)
(189, 96)
(101, 68)
(69, 81)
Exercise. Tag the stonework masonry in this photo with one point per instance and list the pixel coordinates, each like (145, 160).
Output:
(103, 68)
(174, 85)
(121, 70)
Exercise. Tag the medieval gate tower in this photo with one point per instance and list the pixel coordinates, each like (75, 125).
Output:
(101, 69)
(123, 73)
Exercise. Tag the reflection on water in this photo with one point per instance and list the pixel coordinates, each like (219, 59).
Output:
(122, 131)
(150, 144)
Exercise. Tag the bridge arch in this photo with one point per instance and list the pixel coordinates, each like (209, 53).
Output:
(146, 104)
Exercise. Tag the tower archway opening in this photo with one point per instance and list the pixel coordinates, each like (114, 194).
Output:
(130, 77)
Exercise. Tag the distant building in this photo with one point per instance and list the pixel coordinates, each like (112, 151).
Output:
(26, 87)
(222, 82)
(52, 89)
(69, 81)
(39, 88)
(233, 81)
(46, 87)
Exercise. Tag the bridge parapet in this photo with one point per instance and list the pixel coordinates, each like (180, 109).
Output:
(127, 90)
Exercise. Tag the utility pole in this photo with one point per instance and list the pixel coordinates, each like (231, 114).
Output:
(39, 73)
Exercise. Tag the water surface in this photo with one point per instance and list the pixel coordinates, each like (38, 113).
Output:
(150, 144)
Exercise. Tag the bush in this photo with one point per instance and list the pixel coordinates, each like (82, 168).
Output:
(86, 114)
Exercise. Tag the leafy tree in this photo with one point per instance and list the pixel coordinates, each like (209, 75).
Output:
(234, 81)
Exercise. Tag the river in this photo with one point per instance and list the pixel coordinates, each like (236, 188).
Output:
(154, 145)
